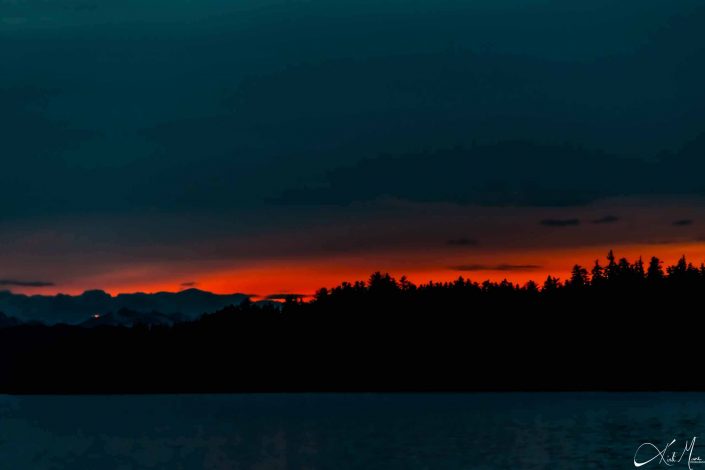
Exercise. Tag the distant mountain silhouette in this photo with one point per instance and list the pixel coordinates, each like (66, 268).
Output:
(189, 304)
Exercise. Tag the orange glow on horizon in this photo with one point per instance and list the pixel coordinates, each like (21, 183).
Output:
(305, 276)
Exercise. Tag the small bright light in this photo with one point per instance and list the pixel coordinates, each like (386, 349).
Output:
(96, 316)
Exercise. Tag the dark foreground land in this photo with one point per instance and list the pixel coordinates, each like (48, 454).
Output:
(624, 327)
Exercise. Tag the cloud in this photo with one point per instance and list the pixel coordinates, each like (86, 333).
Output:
(285, 296)
(559, 222)
(682, 222)
(496, 267)
(523, 173)
(462, 242)
(189, 284)
(19, 283)
(608, 219)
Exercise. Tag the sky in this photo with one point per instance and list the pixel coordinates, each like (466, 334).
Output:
(277, 146)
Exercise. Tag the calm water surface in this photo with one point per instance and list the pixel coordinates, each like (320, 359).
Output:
(369, 431)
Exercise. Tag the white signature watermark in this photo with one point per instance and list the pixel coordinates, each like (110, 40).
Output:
(669, 455)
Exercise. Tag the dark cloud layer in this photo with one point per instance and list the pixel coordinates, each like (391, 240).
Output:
(508, 173)
(355, 107)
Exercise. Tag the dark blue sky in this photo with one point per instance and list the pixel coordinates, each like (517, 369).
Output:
(252, 117)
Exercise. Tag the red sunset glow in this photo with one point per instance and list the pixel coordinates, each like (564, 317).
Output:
(305, 276)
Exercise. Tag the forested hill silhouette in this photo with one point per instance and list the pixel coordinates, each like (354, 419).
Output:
(621, 326)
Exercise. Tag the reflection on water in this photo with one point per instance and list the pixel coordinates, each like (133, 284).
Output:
(370, 431)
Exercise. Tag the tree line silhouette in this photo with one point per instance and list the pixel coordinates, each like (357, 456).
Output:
(622, 326)
(615, 275)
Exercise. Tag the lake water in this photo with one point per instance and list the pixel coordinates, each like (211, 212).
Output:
(344, 431)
